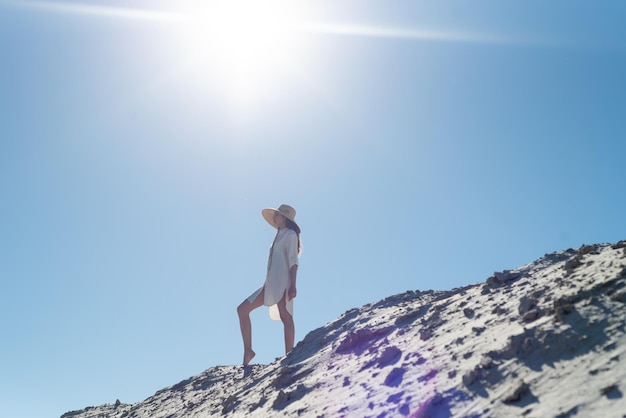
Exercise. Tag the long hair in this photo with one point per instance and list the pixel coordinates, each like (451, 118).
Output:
(291, 225)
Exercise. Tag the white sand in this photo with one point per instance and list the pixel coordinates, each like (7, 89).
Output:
(544, 340)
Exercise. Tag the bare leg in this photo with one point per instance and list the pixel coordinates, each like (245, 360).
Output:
(288, 324)
(243, 310)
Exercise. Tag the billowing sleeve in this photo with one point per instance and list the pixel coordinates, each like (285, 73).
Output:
(291, 248)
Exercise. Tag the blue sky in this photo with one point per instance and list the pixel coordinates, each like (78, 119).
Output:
(423, 146)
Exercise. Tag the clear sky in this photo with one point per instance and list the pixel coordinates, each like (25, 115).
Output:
(424, 145)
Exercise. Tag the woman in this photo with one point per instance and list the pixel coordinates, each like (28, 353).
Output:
(279, 288)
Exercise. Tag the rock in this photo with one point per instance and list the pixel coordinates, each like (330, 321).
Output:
(587, 249)
(562, 307)
(493, 282)
(478, 330)
(618, 245)
(285, 398)
(357, 342)
(469, 378)
(611, 392)
(500, 278)
(425, 334)
(390, 356)
(394, 378)
(499, 310)
(281, 398)
(572, 264)
(228, 404)
(520, 390)
(507, 276)
(531, 315)
(619, 296)
(526, 304)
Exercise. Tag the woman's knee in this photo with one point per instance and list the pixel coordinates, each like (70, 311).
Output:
(284, 314)
(287, 319)
(244, 308)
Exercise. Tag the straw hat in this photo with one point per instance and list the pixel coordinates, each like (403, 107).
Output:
(285, 210)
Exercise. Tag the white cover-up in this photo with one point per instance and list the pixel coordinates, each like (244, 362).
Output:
(283, 255)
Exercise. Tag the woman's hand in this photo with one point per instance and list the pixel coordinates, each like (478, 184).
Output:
(293, 292)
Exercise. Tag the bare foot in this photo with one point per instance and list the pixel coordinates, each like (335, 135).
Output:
(247, 356)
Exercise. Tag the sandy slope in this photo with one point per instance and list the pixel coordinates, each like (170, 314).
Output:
(545, 340)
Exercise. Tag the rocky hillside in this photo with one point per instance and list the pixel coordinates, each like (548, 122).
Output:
(544, 340)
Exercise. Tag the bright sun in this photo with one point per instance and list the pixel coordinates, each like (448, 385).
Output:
(244, 46)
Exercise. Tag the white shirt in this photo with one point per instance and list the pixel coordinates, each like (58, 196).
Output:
(283, 256)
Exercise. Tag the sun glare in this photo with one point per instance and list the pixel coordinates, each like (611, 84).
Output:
(246, 49)
(245, 46)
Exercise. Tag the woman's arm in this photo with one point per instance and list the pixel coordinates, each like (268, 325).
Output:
(292, 292)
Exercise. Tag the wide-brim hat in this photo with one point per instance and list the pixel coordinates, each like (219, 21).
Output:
(285, 210)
